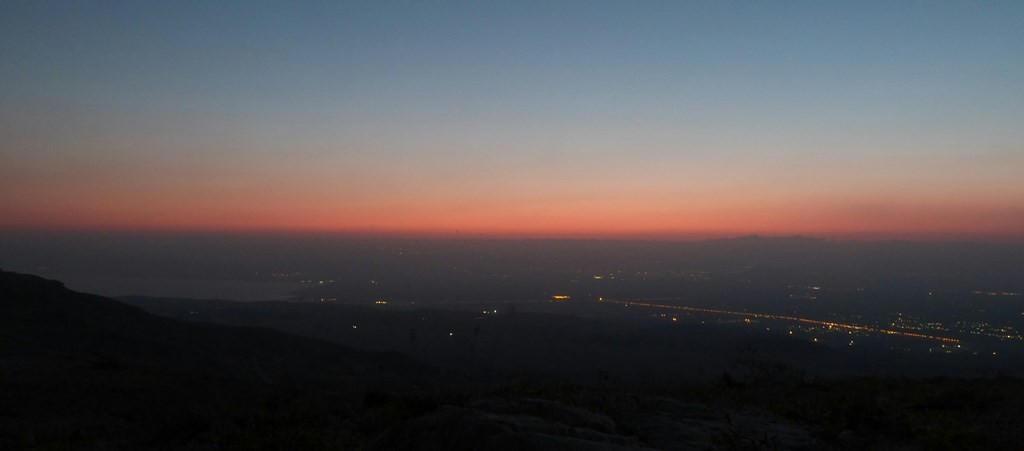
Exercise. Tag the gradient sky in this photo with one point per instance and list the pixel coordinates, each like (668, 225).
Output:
(546, 119)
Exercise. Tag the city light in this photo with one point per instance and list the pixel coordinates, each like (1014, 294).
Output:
(830, 324)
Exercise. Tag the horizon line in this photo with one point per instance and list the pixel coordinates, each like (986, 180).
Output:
(654, 236)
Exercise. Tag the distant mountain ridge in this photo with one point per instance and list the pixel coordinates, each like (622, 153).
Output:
(40, 319)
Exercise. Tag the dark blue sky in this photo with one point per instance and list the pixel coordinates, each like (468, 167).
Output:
(370, 114)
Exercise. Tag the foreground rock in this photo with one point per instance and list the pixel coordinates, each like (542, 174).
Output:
(669, 424)
(536, 424)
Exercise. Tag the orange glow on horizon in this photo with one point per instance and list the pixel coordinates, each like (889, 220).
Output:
(579, 225)
(646, 214)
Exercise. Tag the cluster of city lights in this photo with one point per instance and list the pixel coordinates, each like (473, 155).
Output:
(830, 324)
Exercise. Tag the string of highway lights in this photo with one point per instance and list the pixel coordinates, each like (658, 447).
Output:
(788, 318)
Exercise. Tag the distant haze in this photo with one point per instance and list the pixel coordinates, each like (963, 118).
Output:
(270, 266)
(668, 120)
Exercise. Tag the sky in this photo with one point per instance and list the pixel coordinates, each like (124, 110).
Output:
(589, 119)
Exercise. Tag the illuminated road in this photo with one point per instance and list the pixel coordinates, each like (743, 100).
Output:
(787, 318)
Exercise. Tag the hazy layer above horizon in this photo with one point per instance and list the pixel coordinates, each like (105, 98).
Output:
(243, 266)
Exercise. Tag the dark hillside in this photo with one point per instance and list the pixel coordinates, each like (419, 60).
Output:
(79, 369)
(42, 318)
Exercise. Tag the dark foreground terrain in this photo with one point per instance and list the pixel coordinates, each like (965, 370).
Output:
(79, 371)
